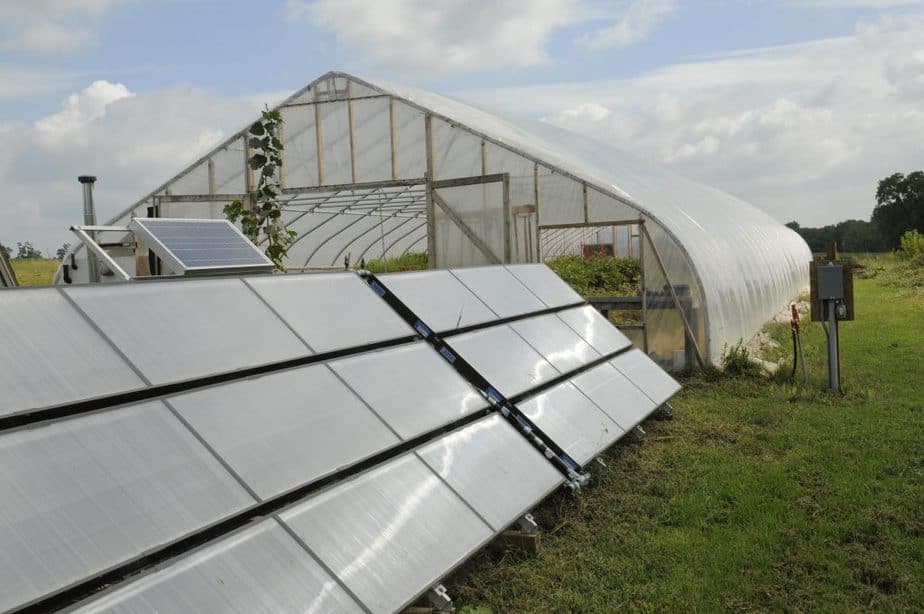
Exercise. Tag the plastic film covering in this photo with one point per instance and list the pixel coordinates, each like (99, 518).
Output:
(574, 421)
(480, 208)
(748, 264)
(331, 311)
(388, 378)
(300, 155)
(284, 430)
(180, 330)
(372, 139)
(493, 468)
(39, 369)
(389, 534)
(81, 495)
(260, 569)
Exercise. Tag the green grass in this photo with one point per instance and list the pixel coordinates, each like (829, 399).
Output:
(35, 271)
(759, 495)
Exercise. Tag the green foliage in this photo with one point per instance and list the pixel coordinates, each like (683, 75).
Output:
(413, 261)
(9, 251)
(25, 251)
(598, 275)
(262, 213)
(911, 247)
(736, 360)
(850, 235)
(900, 205)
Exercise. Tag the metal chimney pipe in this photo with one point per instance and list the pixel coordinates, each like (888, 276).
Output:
(89, 219)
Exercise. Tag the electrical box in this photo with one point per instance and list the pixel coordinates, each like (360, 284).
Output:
(831, 281)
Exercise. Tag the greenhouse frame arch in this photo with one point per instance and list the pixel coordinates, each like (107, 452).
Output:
(373, 169)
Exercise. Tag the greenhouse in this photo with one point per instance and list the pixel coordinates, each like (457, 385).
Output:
(373, 170)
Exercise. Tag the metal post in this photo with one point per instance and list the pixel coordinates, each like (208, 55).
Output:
(89, 219)
(834, 376)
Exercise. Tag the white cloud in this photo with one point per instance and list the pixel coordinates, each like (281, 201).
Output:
(133, 141)
(52, 38)
(804, 131)
(442, 37)
(50, 26)
(638, 19)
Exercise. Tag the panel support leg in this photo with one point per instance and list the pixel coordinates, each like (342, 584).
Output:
(665, 412)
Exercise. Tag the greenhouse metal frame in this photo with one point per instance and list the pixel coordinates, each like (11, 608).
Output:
(374, 170)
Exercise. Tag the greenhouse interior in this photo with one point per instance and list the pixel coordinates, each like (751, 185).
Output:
(374, 170)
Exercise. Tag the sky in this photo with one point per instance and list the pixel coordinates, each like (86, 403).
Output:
(797, 106)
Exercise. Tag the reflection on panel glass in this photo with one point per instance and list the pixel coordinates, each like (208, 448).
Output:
(83, 494)
(545, 284)
(555, 340)
(595, 329)
(284, 430)
(499, 290)
(260, 569)
(494, 468)
(389, 533)
(438, 298)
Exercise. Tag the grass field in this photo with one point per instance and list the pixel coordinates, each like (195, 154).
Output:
(758, 496)
(35, 271)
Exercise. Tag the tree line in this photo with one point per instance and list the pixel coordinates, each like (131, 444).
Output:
(26, 251)
(899, 208)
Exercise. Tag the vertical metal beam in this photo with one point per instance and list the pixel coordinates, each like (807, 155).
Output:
(394, 137)
(584, 192)
(484, 157)
(642, 286)
(538, 221)
(211, 170)
(319, 142)
(431, 221)
(506, 205)
(352, 128)
(677, 303)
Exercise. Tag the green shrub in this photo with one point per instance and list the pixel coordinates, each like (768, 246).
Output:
(413, 261)
(736, 360)
(911, 247)
(598, 275)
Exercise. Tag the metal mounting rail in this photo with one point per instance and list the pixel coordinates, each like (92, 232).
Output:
(561, 460)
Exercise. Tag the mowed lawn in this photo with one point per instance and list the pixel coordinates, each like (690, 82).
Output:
(757, 496)
(35, 271)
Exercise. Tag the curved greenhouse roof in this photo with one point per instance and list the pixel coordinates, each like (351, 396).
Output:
(373, 169)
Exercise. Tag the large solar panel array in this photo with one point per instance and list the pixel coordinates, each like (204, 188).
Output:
(292, 443)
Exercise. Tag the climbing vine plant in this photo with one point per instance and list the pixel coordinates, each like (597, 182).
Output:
(260, 215)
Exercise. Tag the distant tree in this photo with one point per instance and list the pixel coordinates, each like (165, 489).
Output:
(25, 251)
(9, 252)
(849, 235)
(900, 205)
(62, 251)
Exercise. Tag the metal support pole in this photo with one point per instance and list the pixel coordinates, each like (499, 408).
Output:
(89, 219)
(834, 376)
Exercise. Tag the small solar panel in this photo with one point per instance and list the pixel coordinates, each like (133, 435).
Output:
(190, 247)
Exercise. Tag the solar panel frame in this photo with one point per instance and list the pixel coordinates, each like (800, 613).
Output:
(615, 395)
(545, 284)
(557, 342)
(645, 373)
(500, 290)
(438, 297)
(152, 233)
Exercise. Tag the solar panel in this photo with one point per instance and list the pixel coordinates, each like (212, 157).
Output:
(647, 375)
(493, 468)
(83, 494)
(190, 247)
(618, 397)
(511, 365)
(595, 329)
(499, 290)
(545, 284)
(573, 420)
(330, 311)
(51, 355)
(183, 329)
(556, 341)
(410, 387)
(259, 569)
(439, 299)
(283, 430)
(390, 533)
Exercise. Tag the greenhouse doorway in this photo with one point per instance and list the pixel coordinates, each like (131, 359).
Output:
(469, 220)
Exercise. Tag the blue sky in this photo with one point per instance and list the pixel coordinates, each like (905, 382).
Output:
(788, 104)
